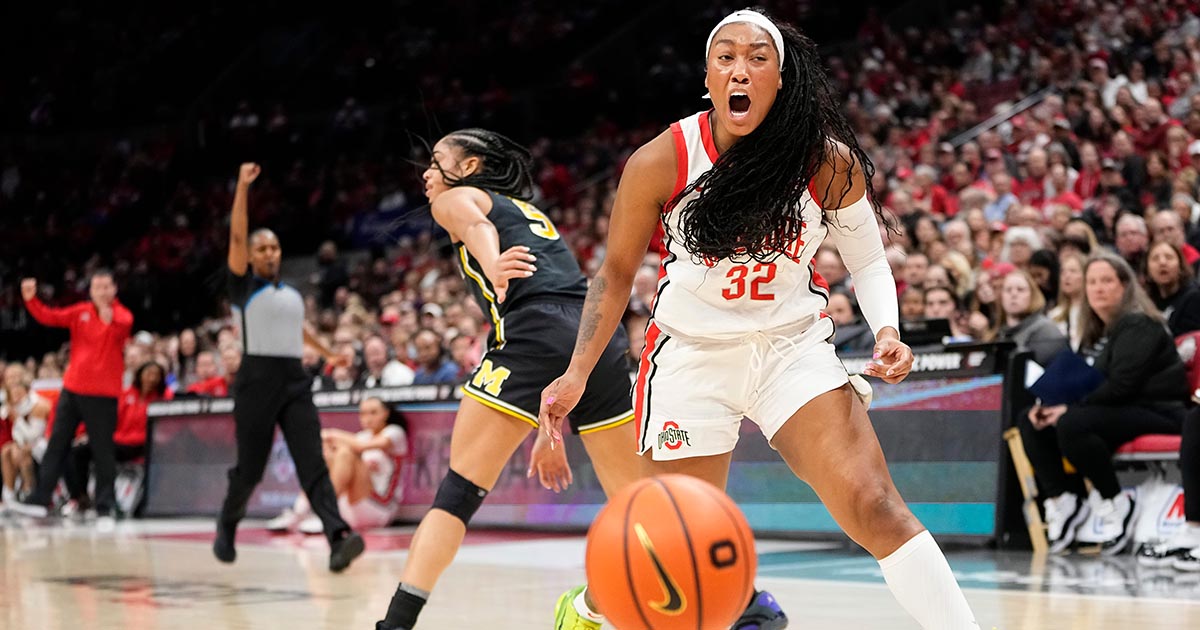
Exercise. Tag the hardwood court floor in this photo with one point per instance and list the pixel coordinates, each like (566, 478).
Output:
(161, 574)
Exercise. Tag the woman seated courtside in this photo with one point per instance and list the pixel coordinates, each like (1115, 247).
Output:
(1126, 340)
(365, 468)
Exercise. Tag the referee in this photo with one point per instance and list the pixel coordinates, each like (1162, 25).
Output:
(272, 387)
(99, 329)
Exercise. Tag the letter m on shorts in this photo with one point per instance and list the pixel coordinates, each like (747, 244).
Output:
(490, 379)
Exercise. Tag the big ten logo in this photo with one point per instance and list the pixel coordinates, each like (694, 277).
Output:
(672, 437)
(490, 378)
(281, 464)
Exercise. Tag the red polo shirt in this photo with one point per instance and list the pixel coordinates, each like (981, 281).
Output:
(97, 349)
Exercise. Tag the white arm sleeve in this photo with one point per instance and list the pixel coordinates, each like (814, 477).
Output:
(856, 235)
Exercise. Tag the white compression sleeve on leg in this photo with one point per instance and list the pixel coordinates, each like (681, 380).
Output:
(856, 235)
(921, 580)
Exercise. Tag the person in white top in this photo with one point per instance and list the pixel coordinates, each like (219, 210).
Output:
(26, 413)
(366, 469)
(746, 193)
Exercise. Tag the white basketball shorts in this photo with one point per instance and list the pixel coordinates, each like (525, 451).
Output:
(691, 394)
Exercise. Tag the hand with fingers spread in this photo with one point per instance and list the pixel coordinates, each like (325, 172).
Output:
(549, 464)
(515, 262)
(558, 399)
(893, 359)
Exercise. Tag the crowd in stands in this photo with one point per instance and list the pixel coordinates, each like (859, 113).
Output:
(1108, 158)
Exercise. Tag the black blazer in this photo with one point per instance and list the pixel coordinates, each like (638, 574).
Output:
(1140, 364)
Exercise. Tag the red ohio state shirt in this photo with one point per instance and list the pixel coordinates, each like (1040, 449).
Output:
(97, 349)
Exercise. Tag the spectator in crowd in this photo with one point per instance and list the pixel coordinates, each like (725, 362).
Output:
(1020, 319)
(852, 334)
(912, 304)
(432, 364)
(379, 369)
(1169, 227)
(1068, 312)
(188, 359)
(1044, 269)
(943, 303)
(1143, 392)
(208, 380)
(1019, 245)
(149, 385)
(365, 468)
(1132, 239)
(24, 412)
(1169, 283)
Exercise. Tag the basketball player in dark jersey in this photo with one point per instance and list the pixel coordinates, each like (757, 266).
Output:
(530, 287)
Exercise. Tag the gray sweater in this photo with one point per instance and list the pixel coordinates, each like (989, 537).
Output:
(1039, 335)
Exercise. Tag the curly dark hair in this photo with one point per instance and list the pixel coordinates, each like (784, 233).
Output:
(507, 166)
(749, 205)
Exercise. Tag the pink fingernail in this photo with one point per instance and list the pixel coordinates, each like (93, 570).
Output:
(550, 400)
(876, 355)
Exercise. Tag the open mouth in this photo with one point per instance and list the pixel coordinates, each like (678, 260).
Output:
(739, 105)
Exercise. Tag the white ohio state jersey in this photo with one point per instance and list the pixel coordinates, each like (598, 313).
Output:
(724, 299)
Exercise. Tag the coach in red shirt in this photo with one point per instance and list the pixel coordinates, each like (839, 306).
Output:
(91, 386)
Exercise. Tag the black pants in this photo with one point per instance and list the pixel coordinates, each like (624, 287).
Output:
(268, 392)
(99, 415)
(80, 461)
(1189, 462)
(1088, 435)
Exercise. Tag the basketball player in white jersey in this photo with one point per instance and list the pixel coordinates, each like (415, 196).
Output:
(746, 193)
(365, 468)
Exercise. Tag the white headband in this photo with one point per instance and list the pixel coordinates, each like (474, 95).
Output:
(751, 17)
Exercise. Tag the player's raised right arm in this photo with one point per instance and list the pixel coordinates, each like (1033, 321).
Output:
(645, 187)
(239, 221)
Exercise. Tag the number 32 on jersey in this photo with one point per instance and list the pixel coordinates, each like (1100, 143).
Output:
(756, 277)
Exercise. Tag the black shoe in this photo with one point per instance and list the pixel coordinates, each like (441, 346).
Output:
(223, 547)
(379, 625)
(763, 613)
(342, 552)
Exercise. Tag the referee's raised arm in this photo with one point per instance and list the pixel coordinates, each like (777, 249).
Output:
(239, 223)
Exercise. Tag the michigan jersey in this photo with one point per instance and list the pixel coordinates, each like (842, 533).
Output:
(723, 299)
(557, 277)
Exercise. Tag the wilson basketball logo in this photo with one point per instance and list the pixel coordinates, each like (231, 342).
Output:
(672, 437)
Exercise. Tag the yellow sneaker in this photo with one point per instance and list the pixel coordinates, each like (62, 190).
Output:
(567, 618)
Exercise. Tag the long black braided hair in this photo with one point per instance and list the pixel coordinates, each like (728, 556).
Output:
(749, 206)
(507, 166)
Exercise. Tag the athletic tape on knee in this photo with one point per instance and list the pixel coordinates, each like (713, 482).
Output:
(458, 496)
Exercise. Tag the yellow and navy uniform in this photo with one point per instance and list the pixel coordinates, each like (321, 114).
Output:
(533, 331)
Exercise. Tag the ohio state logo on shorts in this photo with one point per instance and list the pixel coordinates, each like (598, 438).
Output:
(672, 437)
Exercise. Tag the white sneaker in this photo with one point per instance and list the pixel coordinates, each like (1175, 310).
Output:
(29, 509)
(105, 524)
(1113, 523)
(285, 522)
(1189, 561)
(311, 525)
(1064, 514)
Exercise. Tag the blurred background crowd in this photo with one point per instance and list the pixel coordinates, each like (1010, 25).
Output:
(1017, 137)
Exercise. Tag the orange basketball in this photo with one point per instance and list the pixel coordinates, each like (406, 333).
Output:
(671, 552)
